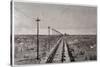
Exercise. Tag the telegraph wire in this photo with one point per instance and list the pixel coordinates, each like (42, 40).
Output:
(23, 13)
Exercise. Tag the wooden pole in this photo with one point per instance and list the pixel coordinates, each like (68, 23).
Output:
(49, 38)
(37, 20)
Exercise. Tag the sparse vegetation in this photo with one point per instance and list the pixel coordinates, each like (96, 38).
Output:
(82, 47)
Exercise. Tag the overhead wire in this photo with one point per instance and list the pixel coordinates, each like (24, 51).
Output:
(24, 14)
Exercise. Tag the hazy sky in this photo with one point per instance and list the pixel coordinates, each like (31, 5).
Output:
(65, 18)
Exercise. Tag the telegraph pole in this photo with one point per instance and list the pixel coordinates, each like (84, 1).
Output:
(37, 20)
(49, 38)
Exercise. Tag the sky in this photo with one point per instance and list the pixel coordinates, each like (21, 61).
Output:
(70, 19)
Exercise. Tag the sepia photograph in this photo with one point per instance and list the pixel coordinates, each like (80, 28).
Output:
(45, 33)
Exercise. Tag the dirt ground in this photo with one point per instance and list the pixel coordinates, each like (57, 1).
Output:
(83, 47)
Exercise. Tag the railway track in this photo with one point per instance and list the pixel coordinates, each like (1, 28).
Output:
(60, 53)
(53, 51)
